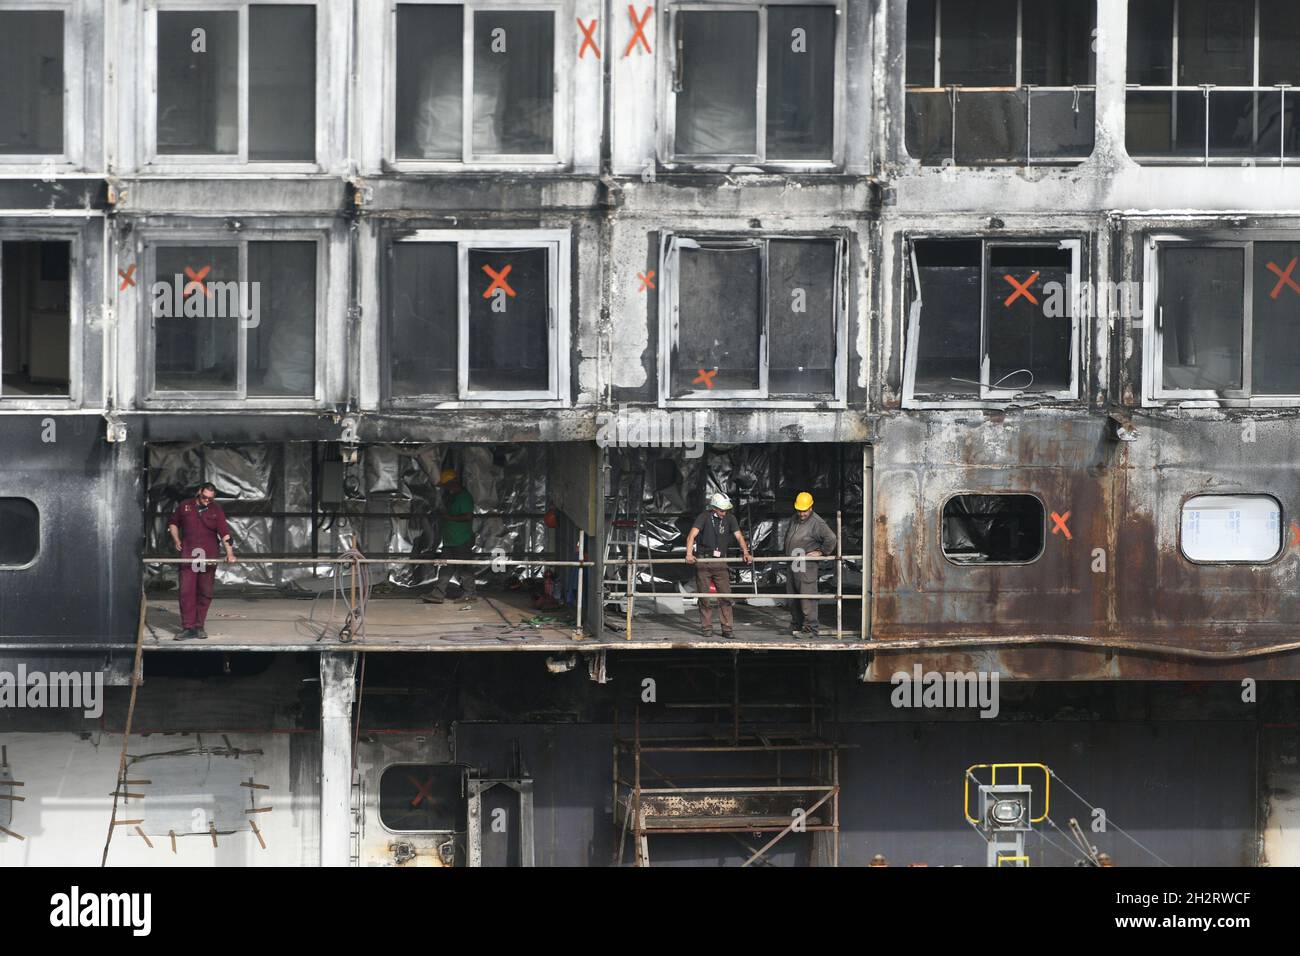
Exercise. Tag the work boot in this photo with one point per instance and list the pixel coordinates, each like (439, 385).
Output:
(201, 634)
(706, 632)
(188, 634)
(470, 598)
(726, 632)
(796, 630)
(811, 631)
(433, 599)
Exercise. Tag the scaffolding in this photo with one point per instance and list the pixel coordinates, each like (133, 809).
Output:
(788, 782)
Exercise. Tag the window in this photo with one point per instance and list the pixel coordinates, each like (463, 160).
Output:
(234, 319)
(236, 83)
(992, 319)
(753, 318)
(1209, 80)
(20, 532)
(35, 318)
(1002, 81)
(993, 529)
(479, 316)
(475, 84)
(754, 84)
(419, 798)
(1224, 319)
(1231, 528)
(31, 83)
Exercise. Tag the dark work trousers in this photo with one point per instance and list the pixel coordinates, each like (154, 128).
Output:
(706, 571)
(457, 552)
(196, 593)
(803, 611)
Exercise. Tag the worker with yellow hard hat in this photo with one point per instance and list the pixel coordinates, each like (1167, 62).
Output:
(807, 536)
(456, 524)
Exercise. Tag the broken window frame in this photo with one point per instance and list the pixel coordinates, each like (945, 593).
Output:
(146, 255)
(986, 493)
(198, 162)
(556, 243)
(988, 394)
(670, 324)
(1218, 562)
(668, 67)
(562, 88)
(954, 91)
(74, 110)
(1207, 90)
(78, 298)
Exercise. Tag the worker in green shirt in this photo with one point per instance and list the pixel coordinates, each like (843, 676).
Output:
(456, 521)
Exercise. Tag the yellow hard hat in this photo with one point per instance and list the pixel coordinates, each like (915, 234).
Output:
(803, 502)
(448, 474)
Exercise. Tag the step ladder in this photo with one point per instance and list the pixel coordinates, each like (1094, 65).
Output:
(623, 531)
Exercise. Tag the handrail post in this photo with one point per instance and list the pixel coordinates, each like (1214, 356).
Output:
(839, 575)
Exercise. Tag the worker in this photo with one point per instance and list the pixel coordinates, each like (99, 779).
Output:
(456, 522)
(712, 532)
(199, 530)
(811, 537)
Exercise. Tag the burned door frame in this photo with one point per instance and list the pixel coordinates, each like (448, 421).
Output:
(911, 301)
(670, 324)
(523, 788)
(562, 89)
(558, 245)
(667, 73)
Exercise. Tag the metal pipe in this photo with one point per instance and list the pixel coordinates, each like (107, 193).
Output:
(839, 574)
(582, 540)
(345, 560)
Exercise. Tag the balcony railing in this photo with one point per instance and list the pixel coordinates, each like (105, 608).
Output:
(998, 125)
(1209, 124)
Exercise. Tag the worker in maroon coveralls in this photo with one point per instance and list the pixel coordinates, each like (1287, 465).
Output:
(198, 529)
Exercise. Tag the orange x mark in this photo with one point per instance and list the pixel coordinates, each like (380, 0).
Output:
(196, 279)
(498, 280)
(422, 790)
(705, 378)
(1284, 280)
(588, 38)
(1058, 524)
(646, 280)
(1021, 289)
(126, 278)
(1295, 534)
(638, 25)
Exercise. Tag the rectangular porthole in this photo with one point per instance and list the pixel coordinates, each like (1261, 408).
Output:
(1231, 528)
(20, 532)
(993, 529)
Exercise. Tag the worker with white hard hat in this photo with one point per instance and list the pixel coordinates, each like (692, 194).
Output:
(808, 536)
(712, 534)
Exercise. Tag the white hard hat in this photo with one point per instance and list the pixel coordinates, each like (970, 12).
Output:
(720, 501)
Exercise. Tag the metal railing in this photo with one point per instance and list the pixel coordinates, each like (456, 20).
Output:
(1255, 113)
(947, 124)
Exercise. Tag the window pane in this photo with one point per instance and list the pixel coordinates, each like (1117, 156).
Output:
(514, 83)
(718, 70)
(1231, 528)
(978, 43)
(801, 317)
(992, 127)
(282, 323)
(929, 127)
(20, 532)
(430, 102)
(1165, 123)
(920, 42)
(948, 346)
(35, 307)
(1063, 124)
(1275, 357)
(1201, 294)
(282, 82)
(984, 529)
(1279, 42)
(1151, 42)
(1057, 47)
(800, 82)
(31, 82)
(198, 82)
(1244, 124)
(423, 798)
(1216, 42)
(422, 337)
(196, 332)
(509, 326)
(1029, 333)
(720, 316)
